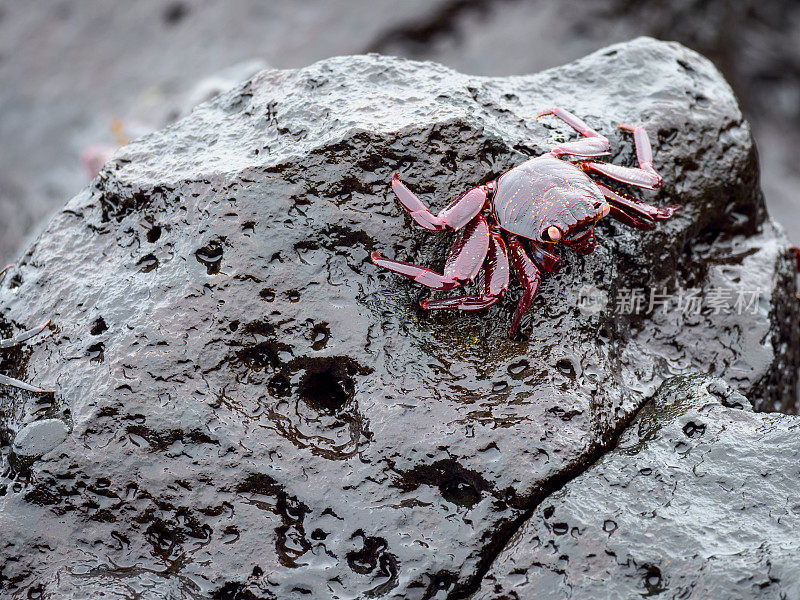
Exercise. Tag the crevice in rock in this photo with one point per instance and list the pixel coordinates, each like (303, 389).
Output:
(550, 487)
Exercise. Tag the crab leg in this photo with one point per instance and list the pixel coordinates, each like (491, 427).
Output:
(495, 281)
(639, 222)
(547, 262)
(657, 213)
(22, 385)
(645, 176)
(463, 261)
(4, 269)
(453, 217)
(644, 152)
(633, 212)
(575, 122)
(589, 147)
(25, 335)
(637, 177)
(529, 277)
(593, 145)
(18, 339)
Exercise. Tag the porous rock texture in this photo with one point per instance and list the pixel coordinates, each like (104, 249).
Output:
(699, 500)
(256, 411)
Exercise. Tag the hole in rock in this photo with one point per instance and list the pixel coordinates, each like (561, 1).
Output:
(99, 326)
(327, 390)
(264, 355)
(456, 484)
(147, 263)
(210, 256)
(692, 429)
(460, 492)
(565, 367)
(499, 386)
(154, 234)
(95, 352)
(560, 528)
(320, 336)
(518, 367)
(373, 555)
(653, 580)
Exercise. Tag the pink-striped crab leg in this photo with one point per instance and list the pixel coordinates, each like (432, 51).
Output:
(645, 176)
(529, 277)
(451, 218)
(633, 212)
(463, 261)
(593, 145)
(13, 341)
(23, 386)
(25, 335)
(495, 281)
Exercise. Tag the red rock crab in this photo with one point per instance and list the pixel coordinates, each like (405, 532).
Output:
(15, 341)
(541, 202)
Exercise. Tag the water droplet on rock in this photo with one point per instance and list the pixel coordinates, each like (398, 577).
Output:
(692, 429)
(518, 367)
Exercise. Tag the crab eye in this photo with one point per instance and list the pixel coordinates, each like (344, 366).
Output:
(606, 209)
(554, 233)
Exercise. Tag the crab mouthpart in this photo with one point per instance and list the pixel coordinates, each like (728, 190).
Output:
(579, 231)
(585, 243)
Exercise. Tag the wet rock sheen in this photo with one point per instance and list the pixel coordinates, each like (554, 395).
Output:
(699, 500)
(256, 411)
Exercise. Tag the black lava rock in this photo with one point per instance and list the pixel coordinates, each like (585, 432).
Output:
(258, 411)
(699, 500)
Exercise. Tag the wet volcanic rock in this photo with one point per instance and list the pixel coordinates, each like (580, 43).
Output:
(699, 500)
(257, 411)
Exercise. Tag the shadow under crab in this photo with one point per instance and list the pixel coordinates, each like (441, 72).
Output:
(15, 341)
(541, 202)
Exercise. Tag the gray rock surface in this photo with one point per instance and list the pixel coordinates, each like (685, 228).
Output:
(698, 500)
(70, 68)
(259, 412)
